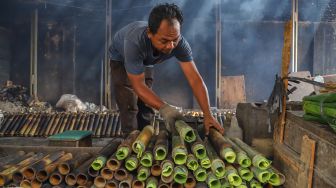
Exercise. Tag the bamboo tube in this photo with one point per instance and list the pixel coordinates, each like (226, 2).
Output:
(221, 145)
(64, 123)
(126, 183)
(245, 173)
(147, 157)
(255, 184)
(152, 182)
(36, 183)
(92, 172)
(161, 146)
(212, 181)
(200, 174)
(141, 142)
(47, 185)
(191, 182)
(198, 148)
(242, 159)
(98, 129)
(8, 124)
(143, 173)
(119, 132)
(115, 124)
(57, 124)
(156, 169)
(225, 183)
(32, 125)
(105, 125)
(18, 125)
(276, 178)
(138, 184)
(163, 185)
(121, 174)
(65, 167)
(55, 178)
(25, 183)
(176, 185)
(113, 163)
(70, 179)
(42, 175)
(81, 172)
(185, 131)
(44, 124)
(49, 125)
(125, 148)
(242, 185)
(205, 162)
(258, 160)
(112, 184)
(131, 163)
(192, 163)
(106, 173)
(105, 153)
(232, 176)
(217, 165)
(109, 126)
(180, 174)
(167, 179)
(99, 182)
(179, 151)
(10, 160)
(167, 167)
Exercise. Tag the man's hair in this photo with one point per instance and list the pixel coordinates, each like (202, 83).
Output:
(161, 12)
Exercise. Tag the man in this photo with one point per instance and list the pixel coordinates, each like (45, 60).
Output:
(135, 49)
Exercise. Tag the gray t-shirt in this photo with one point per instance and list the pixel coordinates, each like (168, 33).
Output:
(132, 46)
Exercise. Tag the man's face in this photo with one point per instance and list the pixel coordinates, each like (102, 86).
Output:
(167, 36)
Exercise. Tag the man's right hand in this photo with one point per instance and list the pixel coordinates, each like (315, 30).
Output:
(170, 114)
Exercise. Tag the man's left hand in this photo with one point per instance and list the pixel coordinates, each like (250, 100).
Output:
(210, 121)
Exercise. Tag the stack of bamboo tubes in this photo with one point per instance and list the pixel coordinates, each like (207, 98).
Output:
(179, 159)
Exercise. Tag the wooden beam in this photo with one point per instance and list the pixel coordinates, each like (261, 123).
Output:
(305, 177)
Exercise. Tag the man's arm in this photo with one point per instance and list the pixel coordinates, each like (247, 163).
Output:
(145, 94)
(201, 93)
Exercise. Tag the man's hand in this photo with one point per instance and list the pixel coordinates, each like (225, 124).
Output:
(210, 121)
(170, 114)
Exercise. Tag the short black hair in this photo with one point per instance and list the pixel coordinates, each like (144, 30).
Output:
(161, 12)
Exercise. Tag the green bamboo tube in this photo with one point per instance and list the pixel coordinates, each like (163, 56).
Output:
(327, 97)
(104, 153)
(141, 142)
(221, 145)
(242, 185)
(167, 167)
(198, 148)
(185, 131)
(258, 160)
(276, 178)
(245, 173)
(205, 162)
(242, 159)
(179, 152)
(143, 173)
(192, 163)
(200, 174)
(217, 165)
(147, 158)
(225, 183)
(213, 181)
(161, 146)
(262, 175)
(232, 176)
(255, 184)
(328, 109)
(125, 148)
(131, 163)
(180, 174)
(152, 182)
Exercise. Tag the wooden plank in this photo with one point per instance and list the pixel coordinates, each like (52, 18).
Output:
(232, 91)
(305, 177)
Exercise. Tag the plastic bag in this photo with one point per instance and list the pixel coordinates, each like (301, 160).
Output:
(71, 103)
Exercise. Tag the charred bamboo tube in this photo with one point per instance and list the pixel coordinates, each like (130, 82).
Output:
(180, 174)
(242, 158)
(179, 151)
(106, 124)
(163, 184)
(30, 172)
(9, 161)
(70, 179)
(44, 124)
(191, 182)
(156, 169)
(113, 163)
(50, 124)
(217, 165)
(55, 178)
(143, 173)
(92, 172)
(5, 121)
(103, 126)
(42, 175)
(112, 184)
(221, 145)
(245, 173)
(73, 121)
(86, 123)
(192, 163)
(18, 124)
(198, 148)
(200, 174)
(104, 154)
(57, 123)
(13, 124)
(65, 167)
(232, 176)
(258, 160)
(99, 127)
(255, 184)
(131, 163)
(213, 181)
(147, 157)
(127, 183)
(25, 183)
(185, 131)
(119, 133)
(176, 185)
(106, 173)
(109, 126)
(138, 184)
(32, 124)
(8, 124)
(81, 172)
(96, 124)
(152, 182)
(125, 148)
(61, 128)
(115, 124)
(276, 178)
(121, 174)
(33, 131)
(26, 124)
(77, 122)
(141, 142)
(161, 146)
(40, 124)
(99, 182)
(82, 123)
